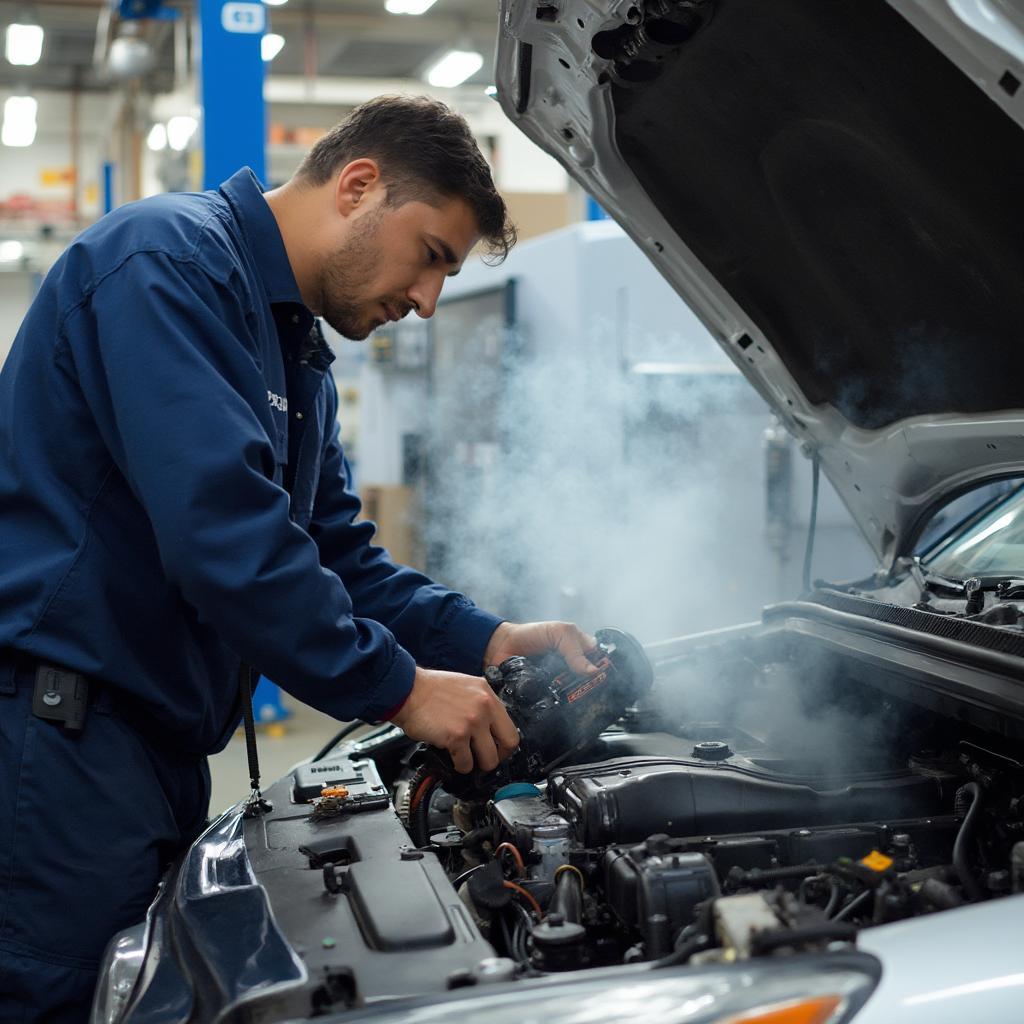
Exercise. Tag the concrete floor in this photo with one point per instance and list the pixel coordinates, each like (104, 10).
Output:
(280, 747)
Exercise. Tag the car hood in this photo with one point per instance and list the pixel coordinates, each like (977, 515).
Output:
(834, 189)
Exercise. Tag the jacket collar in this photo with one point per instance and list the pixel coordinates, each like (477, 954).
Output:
(245, 194)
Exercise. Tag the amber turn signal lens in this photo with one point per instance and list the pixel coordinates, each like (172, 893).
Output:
(817, 1010)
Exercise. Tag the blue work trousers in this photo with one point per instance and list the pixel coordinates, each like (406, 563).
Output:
(88, 824)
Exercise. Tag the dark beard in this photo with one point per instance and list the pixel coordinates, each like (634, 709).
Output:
(346, 275)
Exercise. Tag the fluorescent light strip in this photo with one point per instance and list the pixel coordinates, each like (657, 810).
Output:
(19, 121)
(271, 45)
(408, 6)
(180, 130)
(454, 68)
(157, 137)
(24, 44)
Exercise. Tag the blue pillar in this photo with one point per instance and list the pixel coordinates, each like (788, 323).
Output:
(235, 135)
(595, 211)
(108, 186)
(267, 704)
(234, 120)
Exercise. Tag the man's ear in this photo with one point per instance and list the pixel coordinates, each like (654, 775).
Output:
(356, 183)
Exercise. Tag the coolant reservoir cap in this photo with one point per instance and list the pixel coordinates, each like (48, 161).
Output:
(712, 750)
(558, 933)
(516, 789)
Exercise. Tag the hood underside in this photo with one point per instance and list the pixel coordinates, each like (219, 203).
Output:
(835, 189)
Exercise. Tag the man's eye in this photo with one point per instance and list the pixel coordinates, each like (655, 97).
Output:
(432, 256)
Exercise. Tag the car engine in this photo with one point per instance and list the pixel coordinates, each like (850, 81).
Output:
(767, 795)
(774, 807)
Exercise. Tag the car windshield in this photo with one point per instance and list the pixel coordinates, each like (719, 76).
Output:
(991, 544)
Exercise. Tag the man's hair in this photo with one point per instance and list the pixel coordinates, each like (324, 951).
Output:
(425, 151)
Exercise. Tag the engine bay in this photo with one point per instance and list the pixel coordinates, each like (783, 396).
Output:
(750, 806)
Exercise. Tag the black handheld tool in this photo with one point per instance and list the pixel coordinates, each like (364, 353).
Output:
(556, 711)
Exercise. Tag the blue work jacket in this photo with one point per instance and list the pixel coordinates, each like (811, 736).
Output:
(173, 493)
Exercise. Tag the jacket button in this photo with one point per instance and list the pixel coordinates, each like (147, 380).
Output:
(295, 318)
(298, 415)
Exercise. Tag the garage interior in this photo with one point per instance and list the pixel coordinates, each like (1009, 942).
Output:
(576, 356)
(725, 453)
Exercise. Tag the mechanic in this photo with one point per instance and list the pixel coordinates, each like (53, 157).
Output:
(174, 501)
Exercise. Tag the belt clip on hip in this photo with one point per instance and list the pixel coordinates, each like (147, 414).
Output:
(60, 696)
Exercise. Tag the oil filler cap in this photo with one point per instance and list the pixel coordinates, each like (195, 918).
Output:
(712, 750)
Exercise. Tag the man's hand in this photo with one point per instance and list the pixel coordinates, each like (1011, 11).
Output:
(527, 638)
(460, 714)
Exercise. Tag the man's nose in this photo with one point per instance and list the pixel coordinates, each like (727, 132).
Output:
(424, 295)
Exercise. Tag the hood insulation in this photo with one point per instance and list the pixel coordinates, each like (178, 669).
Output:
(852, 190)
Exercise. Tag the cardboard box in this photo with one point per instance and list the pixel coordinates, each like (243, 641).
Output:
(391, 507)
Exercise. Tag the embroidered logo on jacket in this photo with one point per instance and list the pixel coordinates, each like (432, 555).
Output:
(277, 402)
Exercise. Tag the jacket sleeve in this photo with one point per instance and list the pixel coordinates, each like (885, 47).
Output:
(442, 628)
(170, 370)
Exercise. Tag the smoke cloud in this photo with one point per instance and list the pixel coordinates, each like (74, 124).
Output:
(600, 494)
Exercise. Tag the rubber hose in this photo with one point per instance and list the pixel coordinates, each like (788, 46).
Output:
(961, 862)
(766, 941)
(336, 739)
(682, 952)
(419, 816)
(568, 897)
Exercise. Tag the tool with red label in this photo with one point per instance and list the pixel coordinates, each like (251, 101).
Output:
(557, 712)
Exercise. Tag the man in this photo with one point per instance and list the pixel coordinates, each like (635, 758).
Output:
(174, 501)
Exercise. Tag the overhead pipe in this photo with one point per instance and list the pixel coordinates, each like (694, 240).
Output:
(102, 44)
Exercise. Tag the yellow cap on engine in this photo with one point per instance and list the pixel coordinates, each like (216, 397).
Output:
(877, 861)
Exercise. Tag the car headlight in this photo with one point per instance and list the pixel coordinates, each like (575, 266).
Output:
(826, 989)
(119, 971)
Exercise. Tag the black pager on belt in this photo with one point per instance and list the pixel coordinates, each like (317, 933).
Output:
(60, 695)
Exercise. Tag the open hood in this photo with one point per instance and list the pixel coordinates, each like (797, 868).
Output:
(836, 187)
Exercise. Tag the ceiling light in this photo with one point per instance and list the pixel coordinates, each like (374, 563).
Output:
(24, 43)
(157, 137)
(130, 57)
(270, 46)
(454, 68)
(19, 121)
(275, 3)
(408, 6)
(179, 130)
(10, 251)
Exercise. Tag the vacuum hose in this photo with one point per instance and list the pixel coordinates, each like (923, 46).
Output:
(961, 862)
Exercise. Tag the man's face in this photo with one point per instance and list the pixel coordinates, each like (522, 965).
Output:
(394, 259)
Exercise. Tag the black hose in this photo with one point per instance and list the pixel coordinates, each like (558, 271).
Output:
(568, 897)
(506, 936)
(765, 877)
(961, 862)
(520, 933)
(337, 738)
(853, 905)
(464, 877)
(683, 951)
(778, 938)
(419, 816)
(477, 836)
(833, 898)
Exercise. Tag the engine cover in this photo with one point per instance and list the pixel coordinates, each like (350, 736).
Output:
(625, 800)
